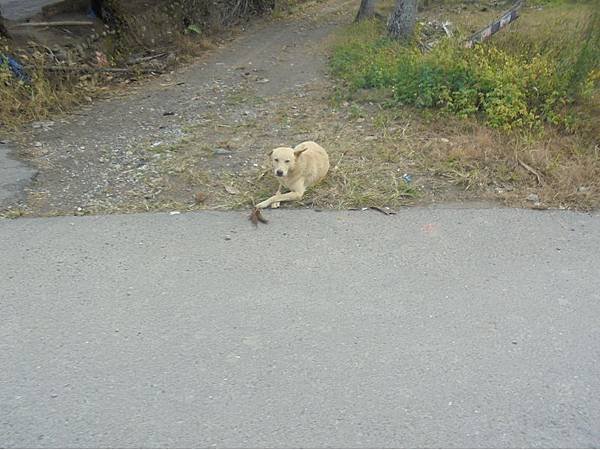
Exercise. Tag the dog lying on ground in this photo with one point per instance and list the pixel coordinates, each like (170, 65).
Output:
(297, 169)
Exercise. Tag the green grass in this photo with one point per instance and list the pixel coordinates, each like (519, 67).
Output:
(522, 78)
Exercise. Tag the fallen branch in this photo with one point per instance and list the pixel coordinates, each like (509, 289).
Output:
(386, 211)
(94, 69)
(509, 16)
(532, 170)
(64, 23)
(146, 58)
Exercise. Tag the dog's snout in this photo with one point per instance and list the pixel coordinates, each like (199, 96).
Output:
(279, 173)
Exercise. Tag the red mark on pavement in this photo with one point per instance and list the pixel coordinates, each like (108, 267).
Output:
(429, 228)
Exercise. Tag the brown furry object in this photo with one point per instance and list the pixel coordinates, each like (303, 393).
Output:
(256, 216)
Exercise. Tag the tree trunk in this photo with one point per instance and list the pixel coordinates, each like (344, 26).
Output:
(401, 23)
(366, 10)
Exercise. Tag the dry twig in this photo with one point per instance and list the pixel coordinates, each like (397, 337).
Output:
(537, 174)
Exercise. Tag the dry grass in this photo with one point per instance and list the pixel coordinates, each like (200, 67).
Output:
(370, 149)
(448, 160)
(367, 165)
(22, 102)
(562, 170)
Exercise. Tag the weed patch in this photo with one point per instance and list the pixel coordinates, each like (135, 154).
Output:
(523, 80)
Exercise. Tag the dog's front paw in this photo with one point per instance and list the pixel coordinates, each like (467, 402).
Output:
(262, 205)
(275, 205)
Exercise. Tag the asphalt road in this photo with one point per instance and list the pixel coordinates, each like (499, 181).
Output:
(431, 328)
(14, 175)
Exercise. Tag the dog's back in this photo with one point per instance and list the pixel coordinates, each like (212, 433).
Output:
(314, 162)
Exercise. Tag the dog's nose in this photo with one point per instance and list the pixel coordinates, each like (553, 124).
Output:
(280, 173)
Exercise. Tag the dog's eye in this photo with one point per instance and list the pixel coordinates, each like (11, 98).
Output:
(287, 160)
(276, 160)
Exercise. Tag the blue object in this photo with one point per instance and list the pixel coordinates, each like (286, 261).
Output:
(406, 177)
(91, 13)
(15, 67)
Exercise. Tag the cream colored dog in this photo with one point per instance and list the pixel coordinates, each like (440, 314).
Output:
(297, 169)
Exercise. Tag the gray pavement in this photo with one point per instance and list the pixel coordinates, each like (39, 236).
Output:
(432, 328)
(14, 175)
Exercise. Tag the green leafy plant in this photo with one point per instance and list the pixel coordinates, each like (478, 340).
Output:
(515, 82)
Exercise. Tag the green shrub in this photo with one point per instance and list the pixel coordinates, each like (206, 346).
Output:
(520, 80)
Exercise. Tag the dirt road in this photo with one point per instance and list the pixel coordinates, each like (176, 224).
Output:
(233, 104)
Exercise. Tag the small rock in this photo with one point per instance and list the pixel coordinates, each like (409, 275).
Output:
(583, 189)
(45, 125)
(231, 190)
(174, 213)
(37, 144)
(228, 238)
(221, 152)
(370, 138)
(533, 198)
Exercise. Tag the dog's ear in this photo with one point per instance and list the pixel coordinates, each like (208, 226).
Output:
(299, 151)
(270, 153)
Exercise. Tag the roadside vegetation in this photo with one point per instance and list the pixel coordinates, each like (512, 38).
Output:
(515, 119)
(528, 97)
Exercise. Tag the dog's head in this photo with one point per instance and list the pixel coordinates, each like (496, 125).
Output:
(284, 159)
